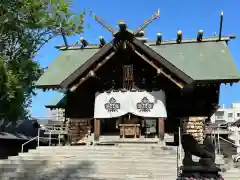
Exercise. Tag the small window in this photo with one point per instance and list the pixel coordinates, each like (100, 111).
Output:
(238, 114)
(230, 115)
(219, 113)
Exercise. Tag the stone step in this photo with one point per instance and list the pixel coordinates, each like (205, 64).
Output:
(100, 156)
(108, 154)
(153, 156)
(91, 170)
(146, 153)
(106, 176)
(53, 176)
(104, 150)
(82, 175)
(96, 160)
(118, 162)
(159, 163)
(139, 151)
(99, 150)
(108, 147)
(99, 168)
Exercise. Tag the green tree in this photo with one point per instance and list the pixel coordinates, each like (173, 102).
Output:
(25, 26)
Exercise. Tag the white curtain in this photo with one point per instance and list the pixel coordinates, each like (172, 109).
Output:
(116, 104)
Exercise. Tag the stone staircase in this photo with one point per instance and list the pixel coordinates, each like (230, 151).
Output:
(117, 162)
(228, 149)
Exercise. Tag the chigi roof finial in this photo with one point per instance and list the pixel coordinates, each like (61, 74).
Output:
(64, 36)
(156, 15)
(122, 25)
(220, 28)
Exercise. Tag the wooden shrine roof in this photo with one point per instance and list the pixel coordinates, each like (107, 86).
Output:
(209, 60)
(59, 101)
(64, 65)
(201, 61)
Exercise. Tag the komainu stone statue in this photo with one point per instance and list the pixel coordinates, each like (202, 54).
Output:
(202, 147)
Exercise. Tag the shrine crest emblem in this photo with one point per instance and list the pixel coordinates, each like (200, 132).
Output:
(145, 105)
(112, 105)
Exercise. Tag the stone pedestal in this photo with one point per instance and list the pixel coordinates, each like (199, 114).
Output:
(79, 130)
(199, 173)
(194, 142)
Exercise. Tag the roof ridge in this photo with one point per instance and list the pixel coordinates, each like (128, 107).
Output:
(192, 40)
(152, 43)
(77, 47)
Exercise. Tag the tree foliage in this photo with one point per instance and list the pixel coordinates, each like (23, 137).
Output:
(25, 26)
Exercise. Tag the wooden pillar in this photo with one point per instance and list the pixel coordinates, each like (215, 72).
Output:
(161, 129)
(97, 129)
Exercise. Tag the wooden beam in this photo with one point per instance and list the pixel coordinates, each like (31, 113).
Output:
(92, 72)
(89, 63)
(97, 129)
(159, 71)
(161, 128)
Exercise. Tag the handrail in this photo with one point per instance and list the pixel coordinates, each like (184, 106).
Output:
(228, 141)
(179, 152)
(37, 137)
(29, 142)
(216, 126)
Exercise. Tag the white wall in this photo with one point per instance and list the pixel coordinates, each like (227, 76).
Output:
(57, 114)
(228, 114)
(235, 136)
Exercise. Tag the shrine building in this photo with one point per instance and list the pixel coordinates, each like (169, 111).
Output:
(132, 86)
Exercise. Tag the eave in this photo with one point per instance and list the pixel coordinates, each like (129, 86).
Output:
(49, 87)
(54, 107)
(221, 81)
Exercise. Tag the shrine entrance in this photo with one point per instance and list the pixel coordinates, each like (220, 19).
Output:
(130, 114)
(130, 127)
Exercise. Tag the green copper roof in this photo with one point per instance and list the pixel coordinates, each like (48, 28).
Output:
(59, 100)
(201, 61)
(64, 65)
(198, 60)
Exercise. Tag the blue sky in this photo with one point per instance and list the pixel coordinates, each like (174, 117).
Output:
(187, 15)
